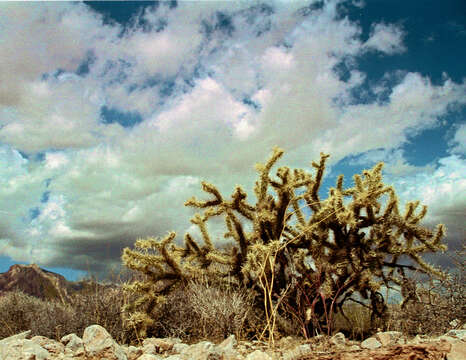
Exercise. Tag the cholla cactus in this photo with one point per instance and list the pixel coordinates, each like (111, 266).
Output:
(312, 254)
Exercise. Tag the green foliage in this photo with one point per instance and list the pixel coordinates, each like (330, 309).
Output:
(302, 256)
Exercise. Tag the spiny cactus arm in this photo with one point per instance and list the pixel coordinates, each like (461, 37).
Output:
(211, 189)
(200, 221)
(235, 229)
(264, 170)
(318, 179)
(239, 203)
(169, 258)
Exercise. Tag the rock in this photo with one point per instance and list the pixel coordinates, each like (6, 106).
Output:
(297, 352)
(457, 351)
(389, 338)
(338, 339)
(133, 352)
(227, 349)
(371, 344)
(23, 349)
(460, 334)
(99, 344)
(228, 344)
(258, 355)
(180, 348)
(149, 357)
(204, 350)
(52, 346)
(20, 336)
(160, 345)
(354, 348)
(73, 345)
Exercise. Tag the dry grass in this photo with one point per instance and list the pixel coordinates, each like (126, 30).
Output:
(202, 311)
(95, 305)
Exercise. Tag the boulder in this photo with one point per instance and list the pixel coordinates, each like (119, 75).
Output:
(460, 334)
(133, 352)
(74, 346)
(371, 343)
(157, 346)
(457, 351)
(338, 339)
(389, 338)
(99, 344)
(23, 349)
(258, 355)
(54, 347)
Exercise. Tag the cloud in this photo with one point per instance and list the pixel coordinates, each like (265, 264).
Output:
(386, 38)
(458, 143)
(216, 85)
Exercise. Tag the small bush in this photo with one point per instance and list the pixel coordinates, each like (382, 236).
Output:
(200, 310)
(21, 312)
(96, 305)
(443, 301)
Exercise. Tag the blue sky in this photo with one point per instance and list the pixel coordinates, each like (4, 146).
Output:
(111, 113)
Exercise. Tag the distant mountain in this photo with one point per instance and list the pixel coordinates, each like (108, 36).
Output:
(41, 283)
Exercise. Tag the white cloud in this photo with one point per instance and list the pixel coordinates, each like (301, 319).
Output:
(443, 192)
(386, 38)
(458, 143)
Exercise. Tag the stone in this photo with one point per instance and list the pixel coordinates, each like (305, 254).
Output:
(161, 345)
(389, 338)
(99, 344)
(133, 352)
(354, 348)
(23, 349)
(204, 350)
(72, 342)
(371, 343)
(52, 346)
(20, 336)
(457, 351)
(258, 355)
(297, 352)
(338, 339)
(228, 344)
(180, 348)
(460, 334)
(149, 357)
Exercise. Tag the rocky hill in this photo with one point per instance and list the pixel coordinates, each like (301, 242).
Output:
(41, 283)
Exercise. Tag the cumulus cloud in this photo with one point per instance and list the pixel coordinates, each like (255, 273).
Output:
(386, 38)
(458, 143)
(217, 85)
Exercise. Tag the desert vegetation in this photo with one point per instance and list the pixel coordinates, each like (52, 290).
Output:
(294, 264)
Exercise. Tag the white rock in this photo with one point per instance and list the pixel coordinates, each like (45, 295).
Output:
(23, 349)
(258, 355)
(389, 338)
(180, 348)
(20, 336)
(338, 339)
(371, 344)
(149, 357)
(99, 344)
(460, 334)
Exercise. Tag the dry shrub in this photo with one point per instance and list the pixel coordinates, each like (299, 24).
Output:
(101, 305)
(200, 310)
(95, 305)
(357, 324)
(436, 304)
(21, 312)
(434, 309)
